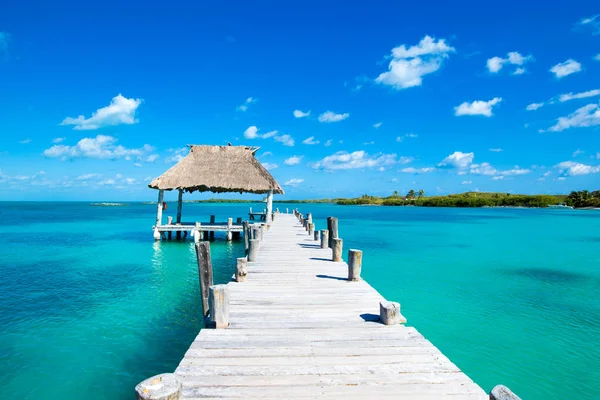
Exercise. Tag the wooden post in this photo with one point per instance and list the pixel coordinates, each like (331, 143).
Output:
(179, 207)
(219, 306)
(212, 221)
(160, 387)
(253, 249)
(229, 225)
(332, 226)
(205, 235)
(287, 211)
(354, 264)
(309, 217)
(246, 235)
(336, 250)
(159, 209)
(170, 222)
(270, 207)
(204, 272)
(236, 234)
(197, 232)
(501, 392)
(317, 235)
(389, 312)
(241, 269)
(324, 238)
(261, 232)
(311, 229)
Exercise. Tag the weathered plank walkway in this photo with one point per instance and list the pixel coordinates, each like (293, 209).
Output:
(299, 329)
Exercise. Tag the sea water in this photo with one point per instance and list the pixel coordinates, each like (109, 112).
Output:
(90, 305)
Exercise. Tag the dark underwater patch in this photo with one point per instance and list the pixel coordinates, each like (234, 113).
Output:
(550, 275)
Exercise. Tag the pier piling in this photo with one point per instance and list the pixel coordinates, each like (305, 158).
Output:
(354, 264)
(336, 250)
(317, 235)
(253, 249)
(205, 273)
(324, 238)
(311, 229)
(501, 392)
(241, 269)
(160, 387)
(389, 312)
(332, 226)
(219, 306)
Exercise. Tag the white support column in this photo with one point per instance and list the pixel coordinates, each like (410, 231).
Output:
(269, 206)
(159, 210)
(179, 205)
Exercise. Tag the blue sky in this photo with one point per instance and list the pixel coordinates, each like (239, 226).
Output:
(343, 98)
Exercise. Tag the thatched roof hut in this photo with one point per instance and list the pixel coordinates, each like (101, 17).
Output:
(218, 169)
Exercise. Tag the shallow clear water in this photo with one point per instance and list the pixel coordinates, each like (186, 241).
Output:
(89, 303)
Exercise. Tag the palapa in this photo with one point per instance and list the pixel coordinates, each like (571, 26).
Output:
(218, 169)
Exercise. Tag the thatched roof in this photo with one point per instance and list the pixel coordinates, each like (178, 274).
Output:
(218, 169)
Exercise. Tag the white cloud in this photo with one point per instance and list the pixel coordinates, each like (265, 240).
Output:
(58, 140)
(498, 178)
(566, 68)
(377, 125)
(86, 177)
(582, 95)
(109, 181)
(477, 107)
(534, 106)
(266, 153)
(149, 158)
(269, 166)
(408, 135)
(121, 110)
(592, 22)
(486, 169)
(293, 182)
(25, 141)
(411, 170)
(102, 147)
(368, 143)
(578, 152)
(356, 159)
(330, 116)
(495, 64)
(178, 155)
(405, 160)
(328, 143)
(244, 107)
(571, 168)
(597, 57)
(286, 140)
(458, 159)
(310, 140)
(496, 150)
(293, 160)
(251, 132)
(409, 65)
(585, 116)
(466, 182)
(301, 114)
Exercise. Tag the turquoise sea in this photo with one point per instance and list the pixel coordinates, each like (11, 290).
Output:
(90, 305)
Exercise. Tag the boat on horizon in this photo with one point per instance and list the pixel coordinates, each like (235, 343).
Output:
(560, 205)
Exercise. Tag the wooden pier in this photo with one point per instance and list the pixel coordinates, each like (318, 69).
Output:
(298, 327)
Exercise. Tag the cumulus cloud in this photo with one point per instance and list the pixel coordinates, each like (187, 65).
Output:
(408, 65)
(405, 160)
(293, 182)
(477, 107)
(534, 106)
(377, 125)
(176, 155)
(121, 110)
(330, 116)
(571, 96)
(101, 147)
(578, 152)
(458, 159)
(58, 140)
(310, 140)
(252, 133)
(328, 143)
(466, 182)
(571, 168)
(416, 171)
(269, 166)
(585, 116)
(495, 64)
(301, 114)
(244, 106)
(286, 139)
(357, 159)
(566, 68)
(293, 160)
(487, 169)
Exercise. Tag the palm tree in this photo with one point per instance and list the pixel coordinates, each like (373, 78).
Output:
(395, 193)
(421, 193)
(411, 194)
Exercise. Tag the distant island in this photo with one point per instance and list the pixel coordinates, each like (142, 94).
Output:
(581, 199)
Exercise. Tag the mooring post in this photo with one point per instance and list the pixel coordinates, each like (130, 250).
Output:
(159, 211)
(253, 249)
(261, 231)
(241, 269)
(160, 387)
(389, 312)
(205, 273)
(287, 211)
(354, 264)
(336, 250)
(229, 226)
(317, 234)
(324, 238)
(501, 392)
(236, 234)
(311, 229)
(219, 306)
(332, 226)
(197, 232)
(309, 217)
(169, 222)
(246, 235)
(212, 221)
